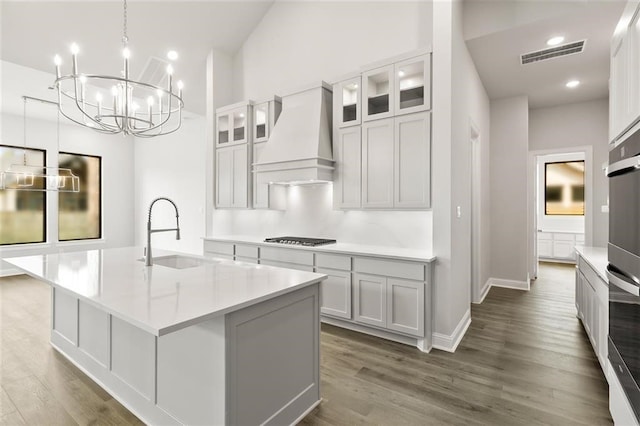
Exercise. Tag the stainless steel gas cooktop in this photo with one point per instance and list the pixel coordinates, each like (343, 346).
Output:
(300, 241)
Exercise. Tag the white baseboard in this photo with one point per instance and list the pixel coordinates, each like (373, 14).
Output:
(516, 285)
(450, 342)
(485, 290)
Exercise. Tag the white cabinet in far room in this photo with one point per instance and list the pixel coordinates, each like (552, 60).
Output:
(377, 163)
(413, 85)
(558, 246)
(232, 177)
(377, 93)
(347, 102)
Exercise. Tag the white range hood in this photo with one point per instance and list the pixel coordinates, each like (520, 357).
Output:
(299, 149)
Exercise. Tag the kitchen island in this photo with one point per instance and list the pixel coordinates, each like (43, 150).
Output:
(189, 340)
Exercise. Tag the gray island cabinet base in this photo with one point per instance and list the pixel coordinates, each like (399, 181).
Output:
(224, 343)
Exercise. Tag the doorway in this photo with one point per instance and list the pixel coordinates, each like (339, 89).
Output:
(560, 217)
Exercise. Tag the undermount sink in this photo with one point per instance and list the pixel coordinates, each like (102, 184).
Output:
(177, 261)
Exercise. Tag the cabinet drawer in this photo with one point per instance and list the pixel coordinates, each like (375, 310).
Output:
(591, 275)
(388, 268)
(286, 255)
(287, 265)
(246, 251)
(218, 247)
(545, 236)
(333, 261)
(580, 238)
(246, 259)
(564, 237)
(564, 249)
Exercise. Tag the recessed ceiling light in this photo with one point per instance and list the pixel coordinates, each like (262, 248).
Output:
(572, 83)
(172, 55)
(554, 41)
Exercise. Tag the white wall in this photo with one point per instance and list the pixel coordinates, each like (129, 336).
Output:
(172, 166)
(509, 205)
(459, 99)
(297, 43)
(575, 125)
(116, 153)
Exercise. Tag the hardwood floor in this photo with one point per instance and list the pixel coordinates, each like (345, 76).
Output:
(524, 360)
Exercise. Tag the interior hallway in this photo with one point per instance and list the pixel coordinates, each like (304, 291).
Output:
(524, 360)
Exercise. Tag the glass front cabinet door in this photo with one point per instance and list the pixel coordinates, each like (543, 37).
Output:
(413, 85)
(233, 124)
(265, 115)
(377, 92)
(347, 102)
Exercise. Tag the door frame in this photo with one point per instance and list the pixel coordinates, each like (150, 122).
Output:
(475, 139)
(532, 213)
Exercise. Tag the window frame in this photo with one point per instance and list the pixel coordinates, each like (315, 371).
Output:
(584, 183)
(45, 214)
(99, 237)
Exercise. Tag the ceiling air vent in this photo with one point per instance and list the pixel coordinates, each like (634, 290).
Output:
(155, 72)
(554, 52)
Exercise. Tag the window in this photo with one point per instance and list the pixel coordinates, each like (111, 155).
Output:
(79, 213)
(564, 188)
(22, 213)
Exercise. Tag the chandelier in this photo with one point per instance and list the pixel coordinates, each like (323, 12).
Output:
(81, 98)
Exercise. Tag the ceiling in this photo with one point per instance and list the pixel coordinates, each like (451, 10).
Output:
(497, 54)
(498, 32)
(33, 32)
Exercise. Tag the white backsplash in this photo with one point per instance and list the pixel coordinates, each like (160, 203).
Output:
(310, 214)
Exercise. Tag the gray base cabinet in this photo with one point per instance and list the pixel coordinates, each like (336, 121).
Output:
(380, 296)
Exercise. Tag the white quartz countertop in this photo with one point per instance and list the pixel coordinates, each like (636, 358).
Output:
(160, 299)
(415, 255)
(597, 257)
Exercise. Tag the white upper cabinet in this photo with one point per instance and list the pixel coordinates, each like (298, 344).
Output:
(233, 124)
(347, 153)
(232, 177)
(377, 93)
(624, 83)
(377, 164)
(413, 85)
(412, 159)
(265, 115)
(347, 102)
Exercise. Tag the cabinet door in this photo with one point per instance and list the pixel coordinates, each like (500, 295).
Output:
(347, 104)
(222, 129)
(348, 167)
(618, 108)
(261, 122)
(405, 306)
(603, 329)
(578, 286)
(260, 190)
(413, 85)
(377, 93)
(412, 155)
(377, 164)
(232, 180)
(563, 250)
(335, 293)
(370, 292)
(545, 248)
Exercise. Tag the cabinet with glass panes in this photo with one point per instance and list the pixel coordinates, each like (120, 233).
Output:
(347, 101)
(233, 124)
(398, 88)
(265, 115)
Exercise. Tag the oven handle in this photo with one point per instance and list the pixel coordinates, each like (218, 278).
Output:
(623, 166)
(622, 284)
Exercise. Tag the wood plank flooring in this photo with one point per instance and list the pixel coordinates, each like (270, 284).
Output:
(524, 360)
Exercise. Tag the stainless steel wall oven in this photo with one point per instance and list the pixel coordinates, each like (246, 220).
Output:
(623, 270)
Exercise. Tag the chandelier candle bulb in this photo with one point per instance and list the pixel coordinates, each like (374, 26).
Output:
(74, 56)
(57, 61)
